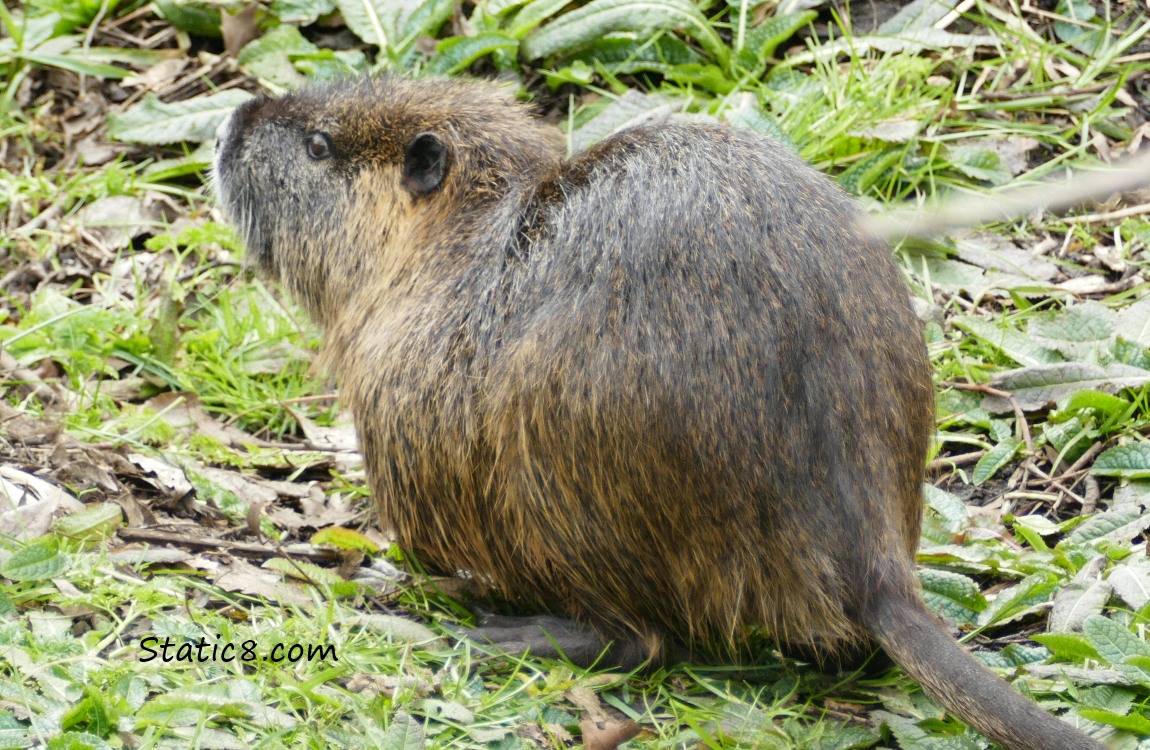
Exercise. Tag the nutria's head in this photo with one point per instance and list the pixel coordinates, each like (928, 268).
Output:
(332, 186)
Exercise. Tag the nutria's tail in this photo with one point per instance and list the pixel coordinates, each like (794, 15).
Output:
(918, 642)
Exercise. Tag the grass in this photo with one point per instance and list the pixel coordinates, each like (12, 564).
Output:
(171, 372)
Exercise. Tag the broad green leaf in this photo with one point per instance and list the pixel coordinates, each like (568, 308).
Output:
(198, 18)
(1103, 402)
(1030, 537)
(154, 122)
(1062, 434)
(532, 15)
(1130, 461)
(1133, 323)
(1131, 581)
(581, 27)
(1030, 591)
(449, 711)
(996, 458)
(38, 561)
(170, 169)
(77, 64)
(709, 77)
(405, 733)
(428, 17)
(96, 521)
(1079, 332)
(623, 56)
(911, 736)
(762, 41)
(144, 58)
(1068, 646)
(1083, 35)
(1041, 525)
(996, 254)
(337, 536)
(1113, 641)
(304, 571)
(270, 56)
(1077, 601)
(1129, 722)
(979, 163)
(458, 53)
(1018, 655)
(951, 511)
(1034, 387)
(301, 12)
(77, 741)
(373, 21)
(747, 114)
(953, 586)
(1120, 524)
(957, 276)
(328, 65)
(1131, 353)
(1107, 697)
(630, 109)
(918, 14)
(93, 712)
(1019, 347)
(500, 7)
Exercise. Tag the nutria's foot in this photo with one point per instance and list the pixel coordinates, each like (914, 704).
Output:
(556, 637)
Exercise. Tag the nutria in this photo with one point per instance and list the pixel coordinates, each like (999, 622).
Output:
(667, 388)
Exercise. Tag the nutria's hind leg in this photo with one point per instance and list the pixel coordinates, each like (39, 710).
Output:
(557, 637)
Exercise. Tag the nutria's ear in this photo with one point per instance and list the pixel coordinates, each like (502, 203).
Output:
(425, 163)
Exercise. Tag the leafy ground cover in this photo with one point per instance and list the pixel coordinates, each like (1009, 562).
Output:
(172, 472)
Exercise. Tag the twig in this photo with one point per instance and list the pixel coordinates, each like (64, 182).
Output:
(245, 549)
(1052, 195)
(38, 221)
(963, 459)
(1019, 416)
(1122, 213)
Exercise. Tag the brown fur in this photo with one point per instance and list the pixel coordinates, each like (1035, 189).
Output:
(667, 388)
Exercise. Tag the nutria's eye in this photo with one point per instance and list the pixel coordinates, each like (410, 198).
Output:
(318, 146)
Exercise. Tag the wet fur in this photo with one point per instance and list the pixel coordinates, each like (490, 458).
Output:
(667, 388)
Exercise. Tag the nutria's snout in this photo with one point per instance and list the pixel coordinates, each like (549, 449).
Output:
(232, 183)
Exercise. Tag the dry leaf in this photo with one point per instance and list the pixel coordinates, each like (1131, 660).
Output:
(601, 731)
(243, 577)
(159, 76)
(339, 437)
(184, 412)
(118, 219)
(169, 480)
(29, 505)
(239, 28)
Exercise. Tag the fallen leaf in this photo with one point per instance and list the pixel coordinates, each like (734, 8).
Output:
(158, 76)
(600, 730)
(29, 505)
(118, 219)
(996, 253)
(243, 577)
(170, 480)
(340, 436)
